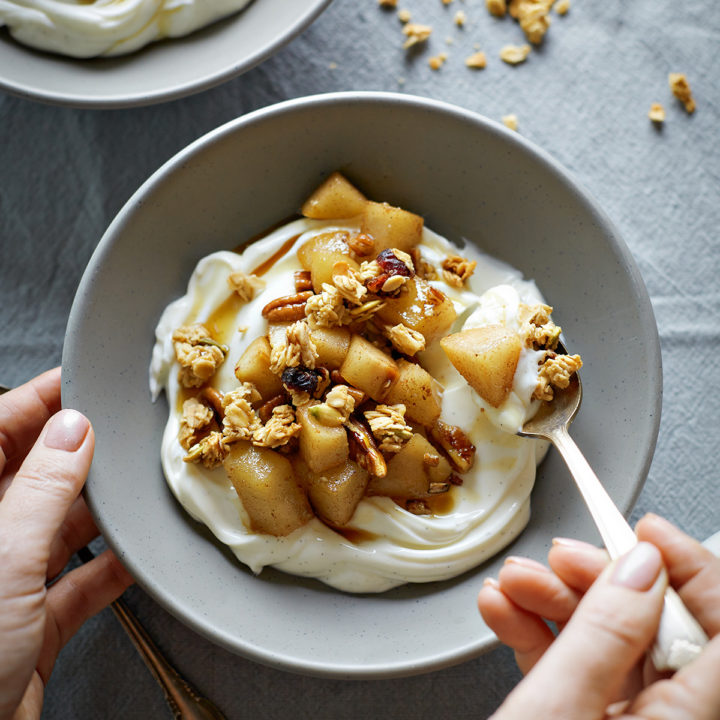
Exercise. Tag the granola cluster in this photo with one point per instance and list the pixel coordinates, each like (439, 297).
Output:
(197, 353)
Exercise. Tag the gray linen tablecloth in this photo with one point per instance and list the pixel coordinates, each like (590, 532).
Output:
(584, 97)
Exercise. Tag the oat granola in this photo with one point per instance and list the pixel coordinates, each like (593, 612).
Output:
(387, 423)
(246, 286)
(457, 269)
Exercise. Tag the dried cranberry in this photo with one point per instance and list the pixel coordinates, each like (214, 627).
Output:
(393, 265)
(301, 379)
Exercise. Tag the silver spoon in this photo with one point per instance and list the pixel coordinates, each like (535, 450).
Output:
(184, 701)
(680, 639)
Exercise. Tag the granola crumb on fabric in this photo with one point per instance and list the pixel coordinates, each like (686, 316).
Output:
(404, 15)
(435, 63)
(562, 7)
(387, 3)
(681, 90)
(460, 19)
(510, 121)
(657, 113)
(476, 61)
(498, 8)
(416, 33)
(514, 54)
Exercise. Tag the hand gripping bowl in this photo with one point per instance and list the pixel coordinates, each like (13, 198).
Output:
(470, 178)
(161, 71)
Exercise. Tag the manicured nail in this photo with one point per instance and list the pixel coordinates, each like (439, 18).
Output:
(526, 563)
(66, 431)
(572, 543)
(639, 569)
(492, 583)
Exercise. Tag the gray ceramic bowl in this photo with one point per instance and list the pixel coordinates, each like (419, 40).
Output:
(161, 71)
(469, 177)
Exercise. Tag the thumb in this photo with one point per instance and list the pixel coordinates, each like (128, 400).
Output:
(613, 626)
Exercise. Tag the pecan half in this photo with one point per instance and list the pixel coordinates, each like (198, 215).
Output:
(362, 244)
(303, 281)
(287, 308)
(456, 444)
(363, 449)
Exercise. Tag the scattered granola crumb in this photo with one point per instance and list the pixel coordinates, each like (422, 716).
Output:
(240, 419)
(340, 399)
(401, 81)
(278, 430)
(476, 61)
(292, 348)
(348, 283)
(657, 113)
(457, 269)
(446, 2)
(460, 18)
(246, 286)
(498, 8)
(332, 66)
(326, 309)
(435, 62)
(533, 17)
(681, 90)
(404, 15)
(387, 423)
(562, 7)
(195, 416)
(510, 121)
(537, 327)
(405, 339)
(198, 354)
(387, 3)
(415, 34)
(555, 372)
(210, 451)
(514, 54)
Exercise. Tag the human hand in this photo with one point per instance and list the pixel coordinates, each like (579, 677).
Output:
(607, 617)
(45, 456)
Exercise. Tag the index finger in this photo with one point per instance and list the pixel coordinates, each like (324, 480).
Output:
(24, 411)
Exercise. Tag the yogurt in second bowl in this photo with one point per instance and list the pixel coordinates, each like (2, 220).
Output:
(454, 523)
(107, 27)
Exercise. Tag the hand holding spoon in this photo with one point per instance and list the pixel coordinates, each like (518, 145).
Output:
(680, 638)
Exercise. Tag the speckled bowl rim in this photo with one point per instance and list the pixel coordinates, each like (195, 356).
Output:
(79, 99)
(72, 392)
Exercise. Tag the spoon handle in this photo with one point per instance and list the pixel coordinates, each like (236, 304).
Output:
(679, 639)
(614, 529)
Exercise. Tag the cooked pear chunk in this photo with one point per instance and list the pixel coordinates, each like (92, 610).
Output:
(368, 368)
(329, 242)
(421, 307)
(321, 446)
(411, 471)
(487, 358)
(391, 227)
(266, 485)
(332, 346)
(337, 197)
(254, 366)
(418, 391)
(336, 492)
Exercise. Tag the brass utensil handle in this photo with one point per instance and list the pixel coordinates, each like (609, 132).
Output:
(680, 638)
(184, 701)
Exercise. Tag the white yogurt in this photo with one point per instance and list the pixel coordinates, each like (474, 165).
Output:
(488, 511)
(89, 28)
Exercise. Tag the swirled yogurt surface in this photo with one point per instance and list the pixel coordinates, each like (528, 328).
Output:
(383, 545)
(90, 28)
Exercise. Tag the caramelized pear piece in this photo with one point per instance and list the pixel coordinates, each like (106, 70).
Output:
(337, 197)
(487, 358)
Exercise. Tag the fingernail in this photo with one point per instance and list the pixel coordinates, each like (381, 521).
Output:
(491, 582)
(571, 543)
(66, 431)
(639, 569)
(526, 562)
